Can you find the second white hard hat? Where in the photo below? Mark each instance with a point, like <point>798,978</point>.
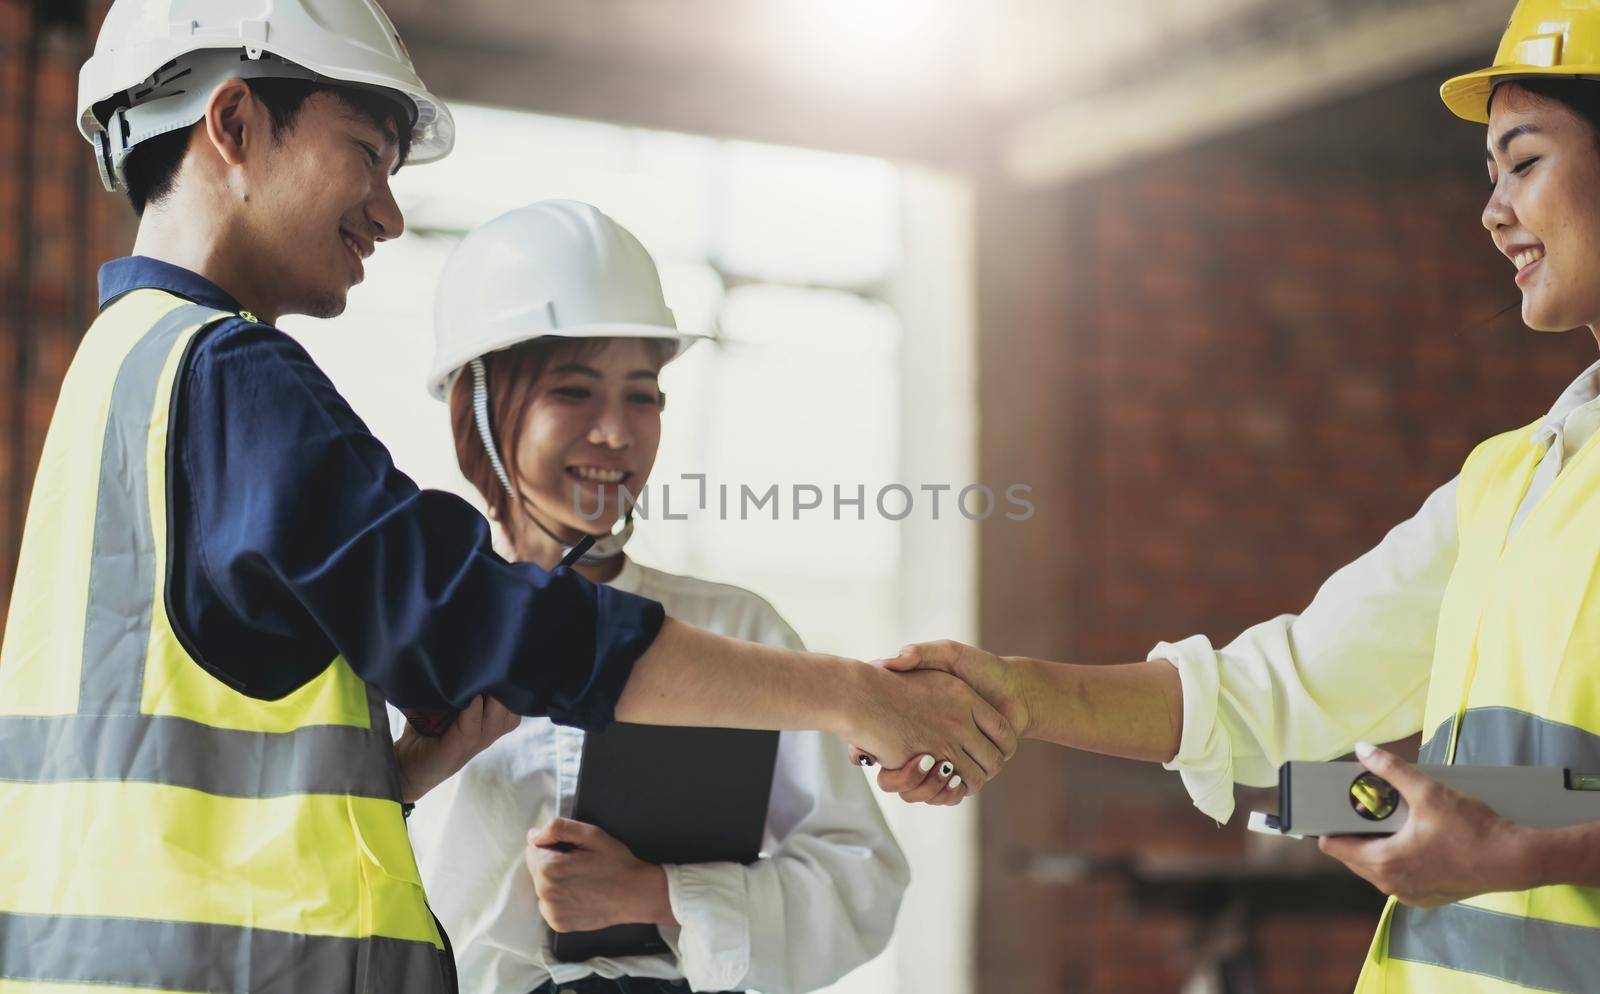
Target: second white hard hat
<point>157,61</point>
<point>556,267</point>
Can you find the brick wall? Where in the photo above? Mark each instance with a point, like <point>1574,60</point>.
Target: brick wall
<point>1226,373</point>
<point>59,225</point>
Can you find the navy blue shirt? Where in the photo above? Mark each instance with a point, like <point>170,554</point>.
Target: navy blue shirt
<point>292,538</point>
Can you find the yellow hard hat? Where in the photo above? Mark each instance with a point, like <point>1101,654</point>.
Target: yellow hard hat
<point>1544,38</point>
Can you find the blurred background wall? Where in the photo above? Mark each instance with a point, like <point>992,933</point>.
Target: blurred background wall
<point>1206,274</point>
<point>57,226</point>
<point>1237,365</point>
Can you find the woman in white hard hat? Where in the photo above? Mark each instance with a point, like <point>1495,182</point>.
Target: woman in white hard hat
<point>1476,622</point>
<point>552,330</point>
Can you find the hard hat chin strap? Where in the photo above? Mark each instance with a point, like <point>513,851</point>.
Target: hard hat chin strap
<point>589,550</point>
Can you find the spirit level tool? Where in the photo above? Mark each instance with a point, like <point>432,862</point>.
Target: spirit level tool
<point>1346,798</point>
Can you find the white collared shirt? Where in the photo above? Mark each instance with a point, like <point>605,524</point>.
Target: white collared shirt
<point>823,902</point>
<point>1354,665</point>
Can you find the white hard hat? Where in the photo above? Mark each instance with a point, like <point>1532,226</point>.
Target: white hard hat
<point>557,267</point>
<point>157,62</point>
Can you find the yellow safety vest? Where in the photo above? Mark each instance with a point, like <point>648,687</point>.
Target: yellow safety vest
<point>159,830</point>
<point>1515,682</point>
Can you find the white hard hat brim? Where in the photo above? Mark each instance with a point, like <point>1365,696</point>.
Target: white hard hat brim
<point>432,134</point>
<point>442,381</point>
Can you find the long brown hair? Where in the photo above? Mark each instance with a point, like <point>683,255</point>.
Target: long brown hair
<point>512,375</point>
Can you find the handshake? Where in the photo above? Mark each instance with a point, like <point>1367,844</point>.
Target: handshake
<point>941,721</point>
<point>939,718</point>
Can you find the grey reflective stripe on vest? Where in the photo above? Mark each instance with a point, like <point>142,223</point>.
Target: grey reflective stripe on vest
<point>316,759</point>
<point>380,746</point>
<point>1508,737</point>
<point>109,739</point>
<point>1527,951</point>
<point>1437,747</point>
<point>1547,956</point>
<point>116,631</point>
<point>216,959</point>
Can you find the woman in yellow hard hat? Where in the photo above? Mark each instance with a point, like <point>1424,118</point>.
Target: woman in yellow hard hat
<point>1476,622</point>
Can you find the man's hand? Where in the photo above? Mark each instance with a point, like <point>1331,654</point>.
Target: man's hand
<point>588,880</point>
<point>930,779</point>
<point>908,717</point>
<point>427,761</point>
<point>995,678</point>
<point>1451,847</point>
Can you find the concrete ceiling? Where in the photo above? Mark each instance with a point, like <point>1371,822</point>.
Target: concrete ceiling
<point>1261,62</point>
<point>1039,91</point>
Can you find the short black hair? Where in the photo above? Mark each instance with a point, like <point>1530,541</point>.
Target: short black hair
<point>152,166</point>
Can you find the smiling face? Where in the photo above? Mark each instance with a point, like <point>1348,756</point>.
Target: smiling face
<point>319,204</point>
<point>592,427</point>
<point>1543,211</point>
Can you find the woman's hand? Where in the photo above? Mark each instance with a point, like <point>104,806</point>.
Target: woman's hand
<point>1451,847</point>
<point>427,761</point>
<point>588,880</point>
<point>932,779</point>
<point>924,780</point>
<point>907,717</point>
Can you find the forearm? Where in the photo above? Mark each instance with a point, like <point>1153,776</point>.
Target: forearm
<point>1133,710</point>
<point>652,899</point>
<point>692,677</point>
<point>1568,855</point>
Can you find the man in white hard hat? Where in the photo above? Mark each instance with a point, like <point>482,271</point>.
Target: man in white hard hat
<point>223,576</point>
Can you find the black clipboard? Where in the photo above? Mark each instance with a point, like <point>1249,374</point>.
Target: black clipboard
<point>672,795</point>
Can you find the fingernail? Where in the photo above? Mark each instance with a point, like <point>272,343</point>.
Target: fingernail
<point>865,760</point>
<point>955,782</point>
<point>925,764</point>
<point>1364,750</point>
<point>945,769</point>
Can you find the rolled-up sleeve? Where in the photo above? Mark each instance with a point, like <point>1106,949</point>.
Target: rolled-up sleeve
<point>822,904</point>
<point>296,538</point>
<point>1353,666</point>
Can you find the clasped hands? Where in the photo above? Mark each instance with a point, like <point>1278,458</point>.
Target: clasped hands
<point>949,714</point>
<point>953,715</point>
<point>942,718</point>
<point>1452,846</point>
